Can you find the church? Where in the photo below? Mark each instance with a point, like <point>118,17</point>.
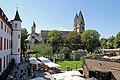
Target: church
<point>36,38</point>
<point>10,39</point>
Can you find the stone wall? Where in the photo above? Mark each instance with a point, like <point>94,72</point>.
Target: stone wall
<point>98,64</point>
<point>76,54</point>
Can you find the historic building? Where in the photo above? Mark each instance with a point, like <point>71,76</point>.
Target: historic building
<point>10,38</point>
<point>79,24</point>
<point>35,38</point>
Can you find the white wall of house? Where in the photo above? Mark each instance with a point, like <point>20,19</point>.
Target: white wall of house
<point>5,52</point>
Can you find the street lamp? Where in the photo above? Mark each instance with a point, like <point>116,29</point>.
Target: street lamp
<point>76,65</point>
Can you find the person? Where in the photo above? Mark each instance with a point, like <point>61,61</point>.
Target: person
<point>32,75</point>
<point>21,71</point>
<point>28,70</point>
<point>11,77</point>
<point>17,67</point>
<point>25,69</point>
<point>23,75</point>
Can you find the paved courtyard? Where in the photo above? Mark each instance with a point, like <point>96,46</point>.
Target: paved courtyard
<point>22,73</point>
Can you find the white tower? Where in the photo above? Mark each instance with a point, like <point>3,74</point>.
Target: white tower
<point>16,37</point>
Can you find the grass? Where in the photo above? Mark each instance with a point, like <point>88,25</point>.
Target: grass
<point>72,64</point>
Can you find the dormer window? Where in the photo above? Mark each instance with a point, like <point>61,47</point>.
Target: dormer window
<point>15,25</point>
<point>5,17</point>
<point>2,13</point>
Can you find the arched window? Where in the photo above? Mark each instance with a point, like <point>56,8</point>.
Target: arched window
<point>15,25</point>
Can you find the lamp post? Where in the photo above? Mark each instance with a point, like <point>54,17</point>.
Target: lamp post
<point>76,65</point>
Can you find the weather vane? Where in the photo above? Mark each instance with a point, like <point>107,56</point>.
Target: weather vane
<point>17,7</point>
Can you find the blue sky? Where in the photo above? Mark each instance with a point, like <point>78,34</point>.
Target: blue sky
<point>100,15</point>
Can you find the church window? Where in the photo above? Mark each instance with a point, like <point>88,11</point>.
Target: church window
<point>33,37</point>
<point>81,22</point>
<point>15,25</point>
<point>83,27</point>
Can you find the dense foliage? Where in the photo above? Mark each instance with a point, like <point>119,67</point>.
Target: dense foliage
<point>24,34</point>
<point>90,39</point>
<point>73,41</point>
<point>42,49</point>
<point>110,43</point>
<point>55,39</point>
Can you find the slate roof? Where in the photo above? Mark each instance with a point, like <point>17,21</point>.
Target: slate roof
<point>17,17</point>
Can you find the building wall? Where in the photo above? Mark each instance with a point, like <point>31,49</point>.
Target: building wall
<point>16,40</point>
<point>5,53</point>
<point>98,64</point>
<point>44,34</point>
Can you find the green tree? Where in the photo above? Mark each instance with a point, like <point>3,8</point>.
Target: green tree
<point>110,42</point>
<point>73,40</point>
<point>103,42</point>
<point>64,50</point>
<point>43,49</point>
<point>24,34</point>
<point>90,39</point>
<point>55,38</point>
<point>117,41</point>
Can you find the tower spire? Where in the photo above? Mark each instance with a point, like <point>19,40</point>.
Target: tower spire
<point>81,17</point>
<point>79,23</point>
<point>17,8</point>
<point>17,17</point>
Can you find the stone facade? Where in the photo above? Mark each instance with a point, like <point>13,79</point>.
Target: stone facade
<point>76,54</point>
<point>79,24</point>
<point>44,34</point>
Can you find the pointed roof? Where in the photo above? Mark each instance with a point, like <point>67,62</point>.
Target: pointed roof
<point>76,17</point>
<point>81,16</point>
<point>17,17</point>
<point>34,23</point>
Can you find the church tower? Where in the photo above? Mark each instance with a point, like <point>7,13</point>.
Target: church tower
<point>16,37</point>
<point>33,32</point>
<point>79,24</point>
